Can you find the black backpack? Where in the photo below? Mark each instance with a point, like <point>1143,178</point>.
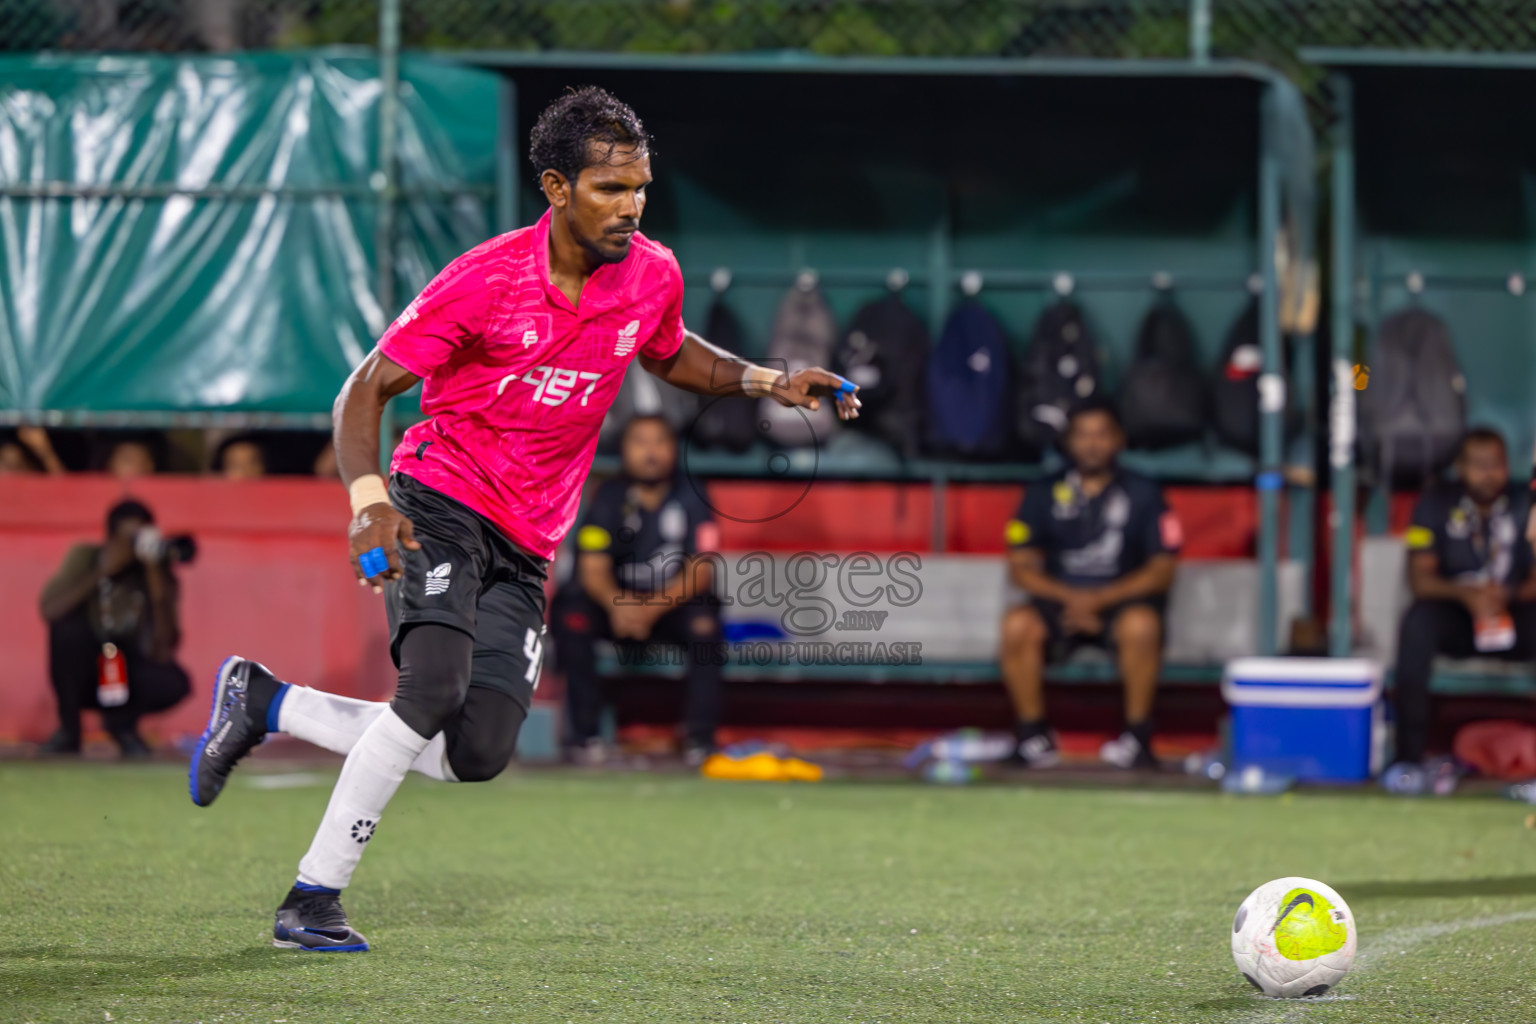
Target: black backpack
<point>1414,410</point>
<point>1235,388</point>
<point>1060,368</point>
<point>968,387</point>
<point>884,352</point>
<point>1163,401</point>
<point>723,421</point>
<point>804,334</point>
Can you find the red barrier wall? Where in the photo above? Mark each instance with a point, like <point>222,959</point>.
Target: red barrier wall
<point>271,579</point>
<point>1219,522</point>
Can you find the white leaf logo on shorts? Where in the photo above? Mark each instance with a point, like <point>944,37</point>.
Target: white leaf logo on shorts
<point>437,579</point>
<point>627,338</point>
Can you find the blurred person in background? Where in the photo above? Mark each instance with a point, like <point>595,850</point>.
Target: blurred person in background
<point>113,629</point>
<point>129,459</point>
<point>29,451</point>
<point>240,458</point>
<point>1470,570</point>
<point>1095,548</point>
<point>640,578</point>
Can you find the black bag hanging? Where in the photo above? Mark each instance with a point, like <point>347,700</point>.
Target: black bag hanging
<point>884,352</point>
<point>804,333</point>
<point>724,421</point>
<point>968,387</point>
<point>1235,388</point>
<point>1060,368</point>
<point>1414,410</point>
<point>1163,400</point>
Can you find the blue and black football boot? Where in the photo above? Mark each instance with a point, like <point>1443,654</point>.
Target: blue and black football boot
<point>311,920</point>
<point>242,693</point>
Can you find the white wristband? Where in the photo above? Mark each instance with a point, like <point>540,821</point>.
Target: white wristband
<point>367,490</point>
<point>759,381</point>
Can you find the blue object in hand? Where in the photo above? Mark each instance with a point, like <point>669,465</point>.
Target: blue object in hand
<point>847,387</point>
<point>373,562</point>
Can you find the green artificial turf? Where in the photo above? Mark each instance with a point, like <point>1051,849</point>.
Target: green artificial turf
<point>560,897</point>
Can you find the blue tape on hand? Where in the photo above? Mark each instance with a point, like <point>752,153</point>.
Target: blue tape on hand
<point>373,562</point>
<point>846,387</point>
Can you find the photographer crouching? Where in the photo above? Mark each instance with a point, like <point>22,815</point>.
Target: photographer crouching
<point>113,629</point>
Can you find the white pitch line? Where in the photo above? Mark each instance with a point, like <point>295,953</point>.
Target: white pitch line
<point>284,780</point>
<point>1400,940</point>
<point>1392,942</point>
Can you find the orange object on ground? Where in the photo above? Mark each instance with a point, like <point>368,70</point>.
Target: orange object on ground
<point>760,767</point>
<point>1500,749</point>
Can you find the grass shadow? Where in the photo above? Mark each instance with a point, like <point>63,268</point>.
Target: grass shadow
<point>1449,889</point>
<point>1227,1003</point>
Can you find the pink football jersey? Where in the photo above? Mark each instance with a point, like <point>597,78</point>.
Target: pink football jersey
<point>517,381</point>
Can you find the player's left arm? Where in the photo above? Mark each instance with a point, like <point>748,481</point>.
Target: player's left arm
<point>1526,591</point>
<point>165,612</point>
<point>1523,575</point>
<point>1161,537</point>
<point>1152,580</point>
<point>1530,519</point>
<point>707,369</point>
<point>695,576</point>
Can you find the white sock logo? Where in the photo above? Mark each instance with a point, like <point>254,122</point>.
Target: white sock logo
<point>437,579</point>
<point>627,338</point>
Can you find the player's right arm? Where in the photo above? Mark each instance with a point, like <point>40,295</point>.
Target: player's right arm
<point>1027,566</point>
<point>1530,520</point>
<point>356,417</point>
<point>1025,535</point>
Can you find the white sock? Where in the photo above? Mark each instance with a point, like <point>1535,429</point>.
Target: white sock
<point>374,769</point>
<point>336,723</point>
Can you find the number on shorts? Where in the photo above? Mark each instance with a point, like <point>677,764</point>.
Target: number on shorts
<point>533,649</point>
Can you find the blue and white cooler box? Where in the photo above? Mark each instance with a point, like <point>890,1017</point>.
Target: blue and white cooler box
<point>1312,718</point>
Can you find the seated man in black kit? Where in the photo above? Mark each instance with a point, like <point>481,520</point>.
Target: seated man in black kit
<point>1470,571</point>
<point>640,578</point>
<point>1094,547</point>
<point>113,628</point>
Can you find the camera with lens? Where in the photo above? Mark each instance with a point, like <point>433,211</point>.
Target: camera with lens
<point>153,546</point>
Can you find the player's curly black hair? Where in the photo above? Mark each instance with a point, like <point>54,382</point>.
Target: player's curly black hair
<point>582,129</point>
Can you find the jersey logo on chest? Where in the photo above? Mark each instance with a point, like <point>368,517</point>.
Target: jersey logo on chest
<point>629,334</point>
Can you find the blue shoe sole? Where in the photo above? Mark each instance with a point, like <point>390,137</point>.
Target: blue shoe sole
<point>358,948</point>
<point>219,679</point>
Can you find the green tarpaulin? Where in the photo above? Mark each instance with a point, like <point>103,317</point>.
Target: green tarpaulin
<point>259,301</point>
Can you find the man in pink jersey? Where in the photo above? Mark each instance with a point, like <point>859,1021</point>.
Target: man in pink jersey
<point>521,343</point>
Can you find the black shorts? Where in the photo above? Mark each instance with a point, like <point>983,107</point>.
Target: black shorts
<point>1062,643</point>
<point>468,575</point>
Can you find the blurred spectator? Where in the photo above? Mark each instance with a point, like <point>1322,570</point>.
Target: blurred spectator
<point>639,578</point>
<point>29,451</point>
<point>1094,547</point>
<point>112,613</point>
<point>130,459</point>
<point>1470,569</point>
<point>325,463</point>
<point>15,460</point>
<point>240,458</point>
